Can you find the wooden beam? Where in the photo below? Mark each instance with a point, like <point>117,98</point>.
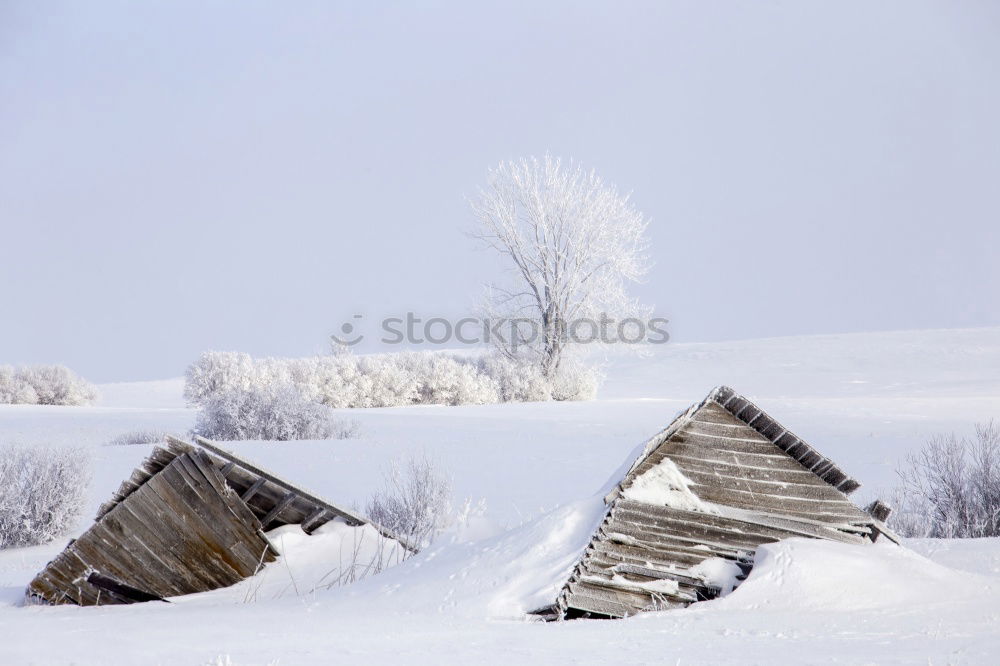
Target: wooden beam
<point>315,520</point>
<point>121,589</point>
<point>287,499</point>
<point>252,490</point>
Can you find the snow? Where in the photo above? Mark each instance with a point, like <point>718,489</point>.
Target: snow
<point>718,572</point>
<point>666,485</point>
<point>864,400</point>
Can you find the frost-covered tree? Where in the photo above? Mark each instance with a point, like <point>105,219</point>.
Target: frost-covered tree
<point>573,242</point>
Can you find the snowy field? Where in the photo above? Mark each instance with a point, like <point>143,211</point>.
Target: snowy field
<point>532,471</point>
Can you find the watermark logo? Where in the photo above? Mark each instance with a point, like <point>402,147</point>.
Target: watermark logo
<point>511,332</point>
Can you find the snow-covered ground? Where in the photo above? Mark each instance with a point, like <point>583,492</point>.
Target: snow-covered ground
<point>862,399</point>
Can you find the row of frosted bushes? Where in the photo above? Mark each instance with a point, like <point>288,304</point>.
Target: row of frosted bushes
<point>388,380</point>
<point>44,385</point>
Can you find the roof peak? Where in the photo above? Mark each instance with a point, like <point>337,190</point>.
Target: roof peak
<point>749,413</point>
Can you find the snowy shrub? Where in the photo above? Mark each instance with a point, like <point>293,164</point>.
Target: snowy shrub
<point>13,391</point>
<point>42,493</point>
<point>575,381</point>
<point>268,414</point>
<point>218,372</point>
<point>389,380</point>
<point>137,437</point>
<point>382,381</point>
<point>44,385</point>
<point>951,487</point>
<point>441,379</point>
<point>415,503</point>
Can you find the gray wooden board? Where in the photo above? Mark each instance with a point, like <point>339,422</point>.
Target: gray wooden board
<point>174,534</point>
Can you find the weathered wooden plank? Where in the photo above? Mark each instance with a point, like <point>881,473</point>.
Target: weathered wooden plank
<point>727,444</point>
<point>642,573</point>
<point>620,547</point>
<point>90,552</point>
<point>144,567</point>
<point>724,431</point>
<point>174,576</point>
<point>57,576</point>
<point>735,521</point>
<point>797,474</point>
<point>222,550</point>
<point>681,554</point>
<point>746,482</point>
<point>233,531</point>
<point>668,520</point>
<point>127,593</point>
<point>71,570</point>
<point>154,529</point>
<point>208,482</point>
<point>879,510</point>
<point>200,549</point>
<point>807,508</point>
<point>252,490</point>
<point>848,486</point>
<point>710,455</point>
<point>316,519</point>
<point>637,601</point>
<point>587,604</point>
<point>661,548</point>
<point>618,583</point>
<point>667,535</point>
<point>712,412</point>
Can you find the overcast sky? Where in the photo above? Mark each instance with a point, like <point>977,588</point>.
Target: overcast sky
<point>177,177</point>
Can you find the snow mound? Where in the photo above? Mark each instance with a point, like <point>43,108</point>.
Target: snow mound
<point>503,576</point>
<point>335,555</point>
<point>813,575</point>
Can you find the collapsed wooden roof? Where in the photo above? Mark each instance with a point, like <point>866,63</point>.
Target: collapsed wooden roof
<point>719,481</point>
<point>190,519</point>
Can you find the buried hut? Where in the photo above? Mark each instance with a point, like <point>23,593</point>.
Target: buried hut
<point>683,523</point>
<point>190,519</point>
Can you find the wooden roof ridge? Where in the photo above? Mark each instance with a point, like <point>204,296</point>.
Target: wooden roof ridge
<point>749,413</point>
<point>756,418</point>
<point>320,505</point>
